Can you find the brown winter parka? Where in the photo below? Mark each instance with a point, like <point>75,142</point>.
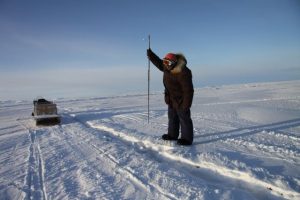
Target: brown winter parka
<point>179,90</point>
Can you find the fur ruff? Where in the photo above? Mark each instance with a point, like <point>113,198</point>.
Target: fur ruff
<point>181,63</point>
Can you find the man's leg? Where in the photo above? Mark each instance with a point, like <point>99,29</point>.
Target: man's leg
<point>186,125</point>
<point>173,127</point>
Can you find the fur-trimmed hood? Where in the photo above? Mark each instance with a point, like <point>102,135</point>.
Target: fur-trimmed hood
<point>181,63</point>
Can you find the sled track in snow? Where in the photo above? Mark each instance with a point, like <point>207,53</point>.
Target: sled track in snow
<point>35,174</point>
<point>77,147</point>
<point>34,181</point>
<point>223,171</point>
<point>125,171</point>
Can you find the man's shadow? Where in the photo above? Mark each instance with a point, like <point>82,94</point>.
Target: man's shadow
<point>247,131</point>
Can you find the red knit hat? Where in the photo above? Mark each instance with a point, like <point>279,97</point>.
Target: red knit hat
<point>171,57</point>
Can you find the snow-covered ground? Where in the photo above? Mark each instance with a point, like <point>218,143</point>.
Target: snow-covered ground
<point>246,146</point>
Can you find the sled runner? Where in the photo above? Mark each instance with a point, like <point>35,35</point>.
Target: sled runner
<point>45,112</point>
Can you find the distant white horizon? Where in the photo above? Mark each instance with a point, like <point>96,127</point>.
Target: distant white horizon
<point>104,82</point>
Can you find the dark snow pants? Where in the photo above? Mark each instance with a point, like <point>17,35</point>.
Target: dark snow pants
<point>182,119</point>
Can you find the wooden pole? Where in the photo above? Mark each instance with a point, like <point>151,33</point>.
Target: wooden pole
<point>148,81</point>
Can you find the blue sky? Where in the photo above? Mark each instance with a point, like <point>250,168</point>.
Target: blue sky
<point>97,48</point>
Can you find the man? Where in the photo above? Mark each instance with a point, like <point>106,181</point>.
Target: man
<point>179,92</point>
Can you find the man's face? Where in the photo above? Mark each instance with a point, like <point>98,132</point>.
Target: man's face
<point>169,64</point>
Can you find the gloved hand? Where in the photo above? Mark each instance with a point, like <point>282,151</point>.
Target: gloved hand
<point>149,52</point>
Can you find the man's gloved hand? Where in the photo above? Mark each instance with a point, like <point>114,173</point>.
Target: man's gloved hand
<point>149,52</point>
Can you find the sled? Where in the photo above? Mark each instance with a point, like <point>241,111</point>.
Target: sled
<point>45,112</point>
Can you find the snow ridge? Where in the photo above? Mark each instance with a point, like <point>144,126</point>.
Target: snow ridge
<point>234,174</point>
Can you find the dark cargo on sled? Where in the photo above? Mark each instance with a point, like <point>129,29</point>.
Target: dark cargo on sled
<point>45,112</point>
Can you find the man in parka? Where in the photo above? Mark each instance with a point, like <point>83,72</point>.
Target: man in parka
<point>179,92</point>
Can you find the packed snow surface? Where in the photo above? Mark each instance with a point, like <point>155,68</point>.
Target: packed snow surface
<point>246,146</point>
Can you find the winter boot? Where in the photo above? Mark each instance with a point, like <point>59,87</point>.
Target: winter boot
<point>183,142</point>
<point>168,137</point>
